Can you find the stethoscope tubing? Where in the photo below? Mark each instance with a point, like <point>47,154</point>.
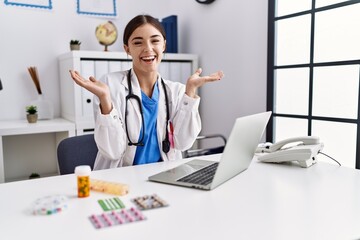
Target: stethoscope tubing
<point>166,142</point>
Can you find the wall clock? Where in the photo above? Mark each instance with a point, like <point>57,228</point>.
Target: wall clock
<point>205,1</point>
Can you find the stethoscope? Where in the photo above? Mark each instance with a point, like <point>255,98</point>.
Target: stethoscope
<point>166,142</point>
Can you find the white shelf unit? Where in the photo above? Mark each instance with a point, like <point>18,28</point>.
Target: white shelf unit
<point>27,148</point>
<point>76,102</point>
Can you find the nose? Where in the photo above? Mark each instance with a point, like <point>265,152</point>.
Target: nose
<point>147,46</point>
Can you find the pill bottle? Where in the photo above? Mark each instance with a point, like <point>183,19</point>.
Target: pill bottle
<point>83,180</point>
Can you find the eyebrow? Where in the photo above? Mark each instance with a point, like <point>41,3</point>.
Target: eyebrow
<point>140,38</point>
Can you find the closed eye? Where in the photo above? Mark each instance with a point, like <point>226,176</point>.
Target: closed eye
<point>137,40</point>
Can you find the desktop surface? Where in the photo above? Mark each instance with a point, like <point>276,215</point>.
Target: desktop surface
<point>267,201</point>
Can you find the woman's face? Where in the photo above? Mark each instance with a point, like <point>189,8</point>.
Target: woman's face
<point>146,46</point>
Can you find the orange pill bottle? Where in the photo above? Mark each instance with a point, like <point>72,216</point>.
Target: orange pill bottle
<point>83,180</point>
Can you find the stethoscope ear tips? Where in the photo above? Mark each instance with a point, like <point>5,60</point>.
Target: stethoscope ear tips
<point>166,146</point>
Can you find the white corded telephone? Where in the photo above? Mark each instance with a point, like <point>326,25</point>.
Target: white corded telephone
<point>304,152</point>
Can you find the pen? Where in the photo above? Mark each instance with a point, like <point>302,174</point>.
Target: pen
<point>171,135</point>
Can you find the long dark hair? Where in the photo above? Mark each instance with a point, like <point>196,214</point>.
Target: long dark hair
<point>139,21</point>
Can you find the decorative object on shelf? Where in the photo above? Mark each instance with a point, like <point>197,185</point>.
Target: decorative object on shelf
<point>205,1</point>
<point>44,107</point>
<point>35,77</point>
<point>75,45</point>
<point>32,115</point>
<point>106,34</point>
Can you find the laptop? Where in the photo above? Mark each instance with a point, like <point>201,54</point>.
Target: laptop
<point>238,153</point>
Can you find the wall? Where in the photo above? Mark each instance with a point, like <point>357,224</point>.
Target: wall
<point>229,34</point>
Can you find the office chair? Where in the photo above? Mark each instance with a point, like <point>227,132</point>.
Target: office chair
<point>75,151</point>
<point>206,151</point>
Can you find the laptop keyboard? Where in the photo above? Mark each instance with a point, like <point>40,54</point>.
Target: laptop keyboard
<point>203,176</point>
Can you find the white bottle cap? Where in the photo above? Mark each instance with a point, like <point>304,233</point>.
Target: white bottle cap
<point>82,170</point>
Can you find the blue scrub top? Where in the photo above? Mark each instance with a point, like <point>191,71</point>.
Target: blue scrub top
<point>149,153</point>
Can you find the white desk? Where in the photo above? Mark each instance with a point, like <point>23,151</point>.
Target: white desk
<point>61,127</point>
<point>265,202</point>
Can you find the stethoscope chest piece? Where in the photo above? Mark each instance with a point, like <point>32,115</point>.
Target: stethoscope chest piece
<point>166,146</point>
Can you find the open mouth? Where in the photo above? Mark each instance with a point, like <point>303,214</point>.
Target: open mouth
<point>148,59</point>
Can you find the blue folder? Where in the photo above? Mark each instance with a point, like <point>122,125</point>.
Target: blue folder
<point>170,25</point>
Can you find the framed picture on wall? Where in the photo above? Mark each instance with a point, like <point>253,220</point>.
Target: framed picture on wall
<point>101,8</point>
<point>47,4</point>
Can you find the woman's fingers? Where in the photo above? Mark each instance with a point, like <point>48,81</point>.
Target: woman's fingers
<point>92,79</point>
<point>79,79</point>
<point>218,75</point>
<point>196,81</point>
<point>213,77</point>
<point>75,75</point>
<point>198,71</point>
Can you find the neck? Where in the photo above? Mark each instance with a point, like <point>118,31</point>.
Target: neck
<point>147,81</point>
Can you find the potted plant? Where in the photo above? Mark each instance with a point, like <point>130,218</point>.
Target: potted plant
<point>34,175</point>
<point>32,115</point>
<point>75,45</point>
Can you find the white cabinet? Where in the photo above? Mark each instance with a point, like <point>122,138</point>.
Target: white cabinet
<point>76,102</point>
<point>27,148</point>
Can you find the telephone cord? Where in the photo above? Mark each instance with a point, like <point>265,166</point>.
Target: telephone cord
<point>330,157</point>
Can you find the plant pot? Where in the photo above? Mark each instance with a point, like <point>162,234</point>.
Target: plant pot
<point>34,175</point>
<point>74,47</point>
<point>32,118</point>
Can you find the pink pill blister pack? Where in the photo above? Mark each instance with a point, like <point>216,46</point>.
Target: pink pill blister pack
<point>115,218</point>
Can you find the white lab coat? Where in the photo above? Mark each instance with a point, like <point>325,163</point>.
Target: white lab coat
<point>110,134</point>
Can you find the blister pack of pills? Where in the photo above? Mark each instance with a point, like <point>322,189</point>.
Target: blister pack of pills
<point>111,204</point>
<point>116,218</point>
<point>149,202</point>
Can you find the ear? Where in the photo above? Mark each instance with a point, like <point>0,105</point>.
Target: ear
<point>164,47</point>
<point>127,50</point>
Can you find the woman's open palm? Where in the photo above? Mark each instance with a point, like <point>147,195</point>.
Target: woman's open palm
<point>195,81</point>
<point>98,88</point>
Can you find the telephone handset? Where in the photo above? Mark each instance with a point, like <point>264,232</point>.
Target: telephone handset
<point>304,151</point>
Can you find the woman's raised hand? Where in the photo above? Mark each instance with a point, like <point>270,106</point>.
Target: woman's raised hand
<point>96,87</point>
<point>100,89</point>
<point>195,81</point>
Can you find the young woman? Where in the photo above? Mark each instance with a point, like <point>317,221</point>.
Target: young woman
<point>139,116</point>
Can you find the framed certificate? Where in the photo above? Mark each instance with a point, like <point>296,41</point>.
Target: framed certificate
<point>47,4</point>
<point>97,7</point>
